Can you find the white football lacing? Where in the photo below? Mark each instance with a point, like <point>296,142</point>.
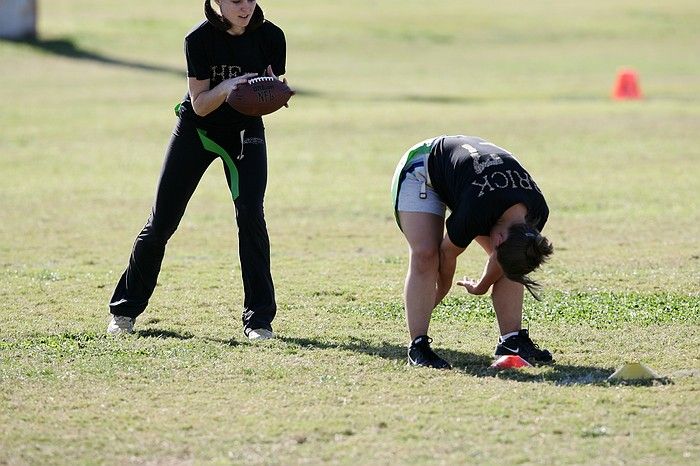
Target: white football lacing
<point>260,79</point>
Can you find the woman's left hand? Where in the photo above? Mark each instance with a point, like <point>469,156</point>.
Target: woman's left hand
<point>272,74</point>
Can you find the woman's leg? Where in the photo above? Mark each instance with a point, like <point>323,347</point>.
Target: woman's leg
<point>259,306</point>
<point>424,233</point>
<point>507,298</point>
<point>185,163</point>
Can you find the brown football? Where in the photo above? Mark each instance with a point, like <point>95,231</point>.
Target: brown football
<point>260,96</point>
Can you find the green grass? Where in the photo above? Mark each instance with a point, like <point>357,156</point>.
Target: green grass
<point>86,116</point>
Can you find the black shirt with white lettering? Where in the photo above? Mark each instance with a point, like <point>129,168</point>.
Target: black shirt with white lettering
<point>216,55</point>
<point>479,181</point>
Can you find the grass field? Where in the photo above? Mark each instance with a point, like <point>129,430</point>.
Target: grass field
<point>87,113</point>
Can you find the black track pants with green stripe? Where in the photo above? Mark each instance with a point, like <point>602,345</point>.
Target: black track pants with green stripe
<point>189,154</point>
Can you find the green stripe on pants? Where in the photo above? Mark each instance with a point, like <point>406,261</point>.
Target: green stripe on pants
<point>211,146</point>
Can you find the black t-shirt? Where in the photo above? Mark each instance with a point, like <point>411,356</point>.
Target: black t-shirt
<point>479,181</point>
<point>216,55</point>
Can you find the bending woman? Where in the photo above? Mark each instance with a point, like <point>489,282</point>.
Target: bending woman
<point>493,201</point>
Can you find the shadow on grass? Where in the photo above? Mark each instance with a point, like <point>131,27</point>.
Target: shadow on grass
<point>558,374</point>
<point>163,334</point>
<point>384,350</point>
<point>230,342</point>
<point>477,365</point>
<point>411,98</point>
<point>68,48</point>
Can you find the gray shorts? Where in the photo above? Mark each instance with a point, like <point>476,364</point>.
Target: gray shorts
<point>416,194</point>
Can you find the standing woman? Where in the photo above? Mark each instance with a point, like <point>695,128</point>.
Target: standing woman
<point>492,200</point>
<point>231,46</point>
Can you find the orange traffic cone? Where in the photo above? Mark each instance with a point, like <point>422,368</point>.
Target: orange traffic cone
<point>510,362</point>
<point>626,86</point>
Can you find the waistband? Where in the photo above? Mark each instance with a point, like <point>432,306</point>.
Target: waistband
<point>420,161</point>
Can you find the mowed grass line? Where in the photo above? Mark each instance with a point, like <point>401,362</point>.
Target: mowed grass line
<point>87,115</point>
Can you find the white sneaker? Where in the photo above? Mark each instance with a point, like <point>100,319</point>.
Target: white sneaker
<point>121,324</point>
<point>260,334</point>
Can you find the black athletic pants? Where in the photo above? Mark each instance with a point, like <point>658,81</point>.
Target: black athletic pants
<point>190,152</point>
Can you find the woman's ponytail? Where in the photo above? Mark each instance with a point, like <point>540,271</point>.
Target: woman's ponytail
<point>523,251</point>
<point>214,18</point>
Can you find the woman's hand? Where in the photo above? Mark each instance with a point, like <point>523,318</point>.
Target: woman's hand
<point>205,100</point>
<point>232,83</point>
<point>272,74</point>
<point>472,286</point>
<point>492,273</point>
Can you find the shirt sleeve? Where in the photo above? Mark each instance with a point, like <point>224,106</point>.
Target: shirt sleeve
<point>278,52</point>
<point>456,230</point>
<point>198,65</point>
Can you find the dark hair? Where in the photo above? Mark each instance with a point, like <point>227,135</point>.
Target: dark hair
<point>523,251</point>
<point>222,24</point>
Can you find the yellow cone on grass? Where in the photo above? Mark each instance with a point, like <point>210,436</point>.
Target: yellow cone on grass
<point>634,371</point>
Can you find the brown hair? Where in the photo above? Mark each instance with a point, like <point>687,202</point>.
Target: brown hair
<point>222,24</point>
<point>523,251</point>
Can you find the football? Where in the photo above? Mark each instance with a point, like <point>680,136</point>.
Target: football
<point>260,96</point>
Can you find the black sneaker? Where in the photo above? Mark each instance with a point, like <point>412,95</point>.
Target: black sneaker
<point>521,345</point>
<point>420,354</point>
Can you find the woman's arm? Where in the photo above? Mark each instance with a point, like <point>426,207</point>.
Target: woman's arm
<point>492,270</point>
<point>448,263</point>
<point>205,100</point>
<point>492,273</point>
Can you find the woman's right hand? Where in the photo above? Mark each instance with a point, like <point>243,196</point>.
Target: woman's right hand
<point>232,83</point>
<point>206,100</point>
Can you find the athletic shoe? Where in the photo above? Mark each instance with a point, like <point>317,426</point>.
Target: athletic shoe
<point>521,345</point>
<point>420,354</point>
<point>121,324</point>
<point>260,334</point>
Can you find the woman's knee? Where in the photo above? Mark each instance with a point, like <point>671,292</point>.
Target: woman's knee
<point>158,231</point>
<point>249,209</point>
<point>425,258</point>
<point>250,214</point>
